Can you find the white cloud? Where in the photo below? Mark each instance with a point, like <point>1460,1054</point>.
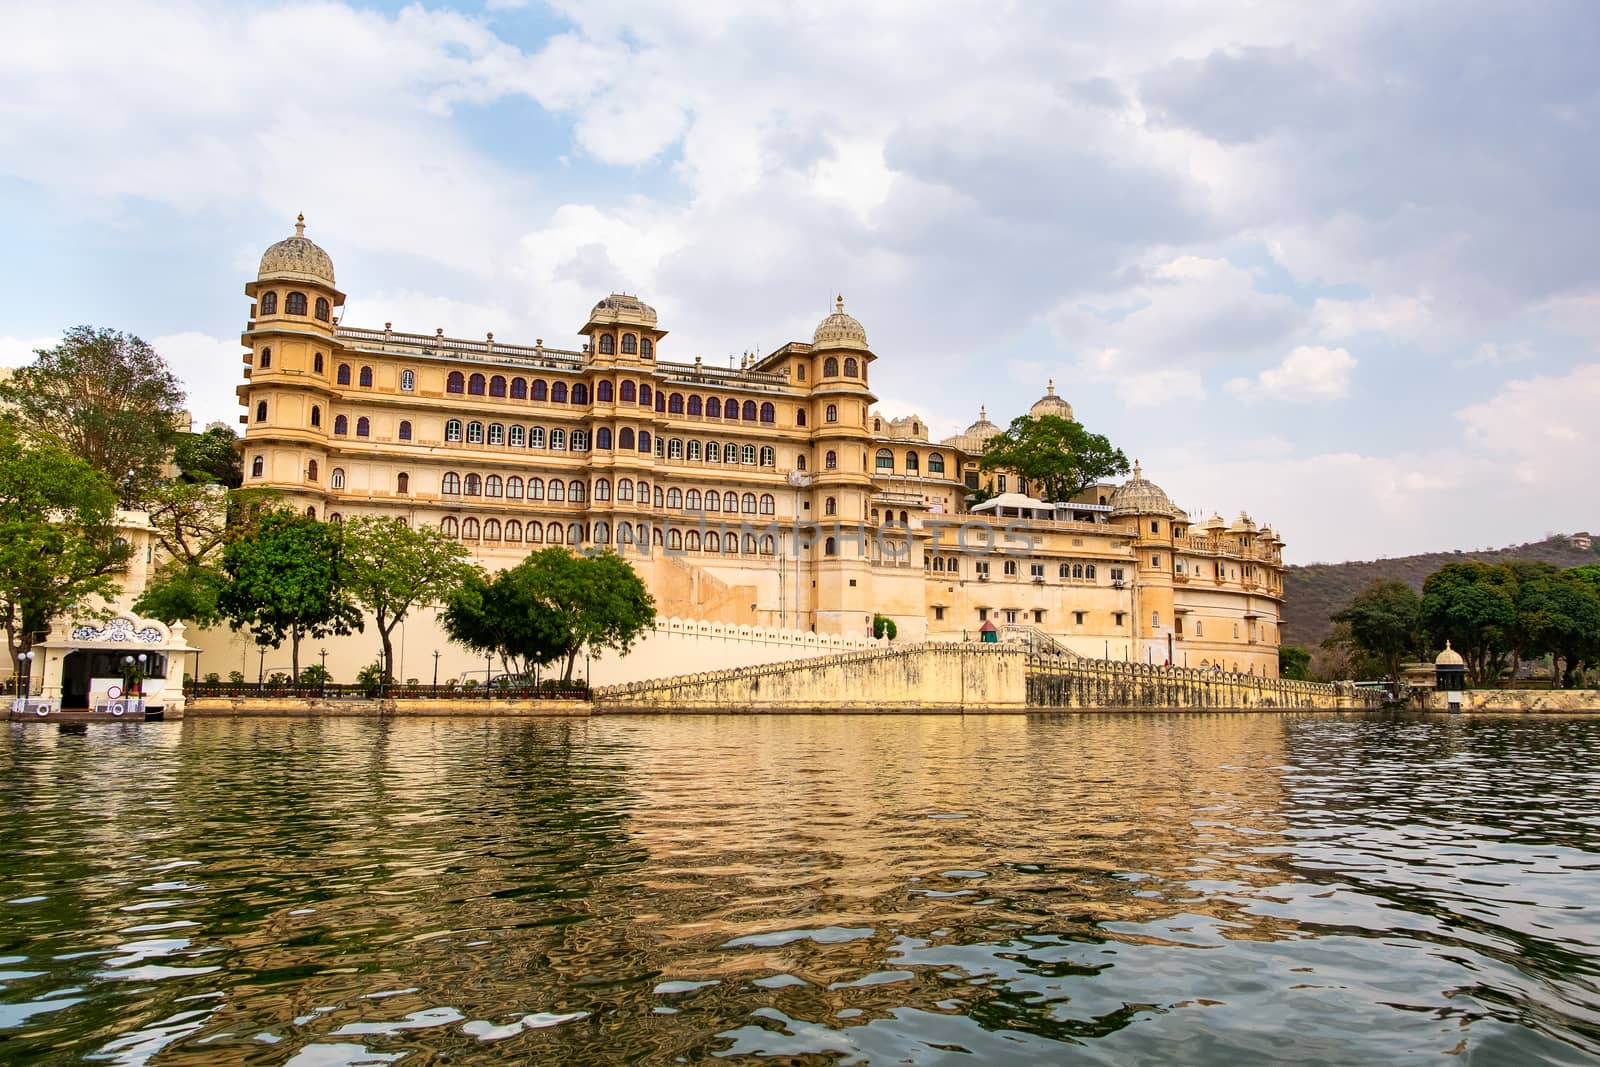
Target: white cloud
<point>209,369</point>
<point>16,351</point>
<point>1492,354</point>
<point>1309,373</point>
<point>1542,428</point>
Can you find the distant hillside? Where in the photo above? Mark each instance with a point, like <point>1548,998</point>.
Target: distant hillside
<point>1313,595</point>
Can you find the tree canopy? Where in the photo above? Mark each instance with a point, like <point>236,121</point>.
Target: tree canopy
<point>105,397</point>
<point>1055,454</point>
<point>209,457</point>
<point>551,607</point>
<point>1473,606</point>
<point>286,578</point>
<point>391,569</point>
<point>58,544</point>
<point>1383,620</point>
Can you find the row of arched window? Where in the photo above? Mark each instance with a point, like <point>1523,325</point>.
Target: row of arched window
<point>631,345</point>
<point>575,491</point>
<point>721,452</point>
<point>295,304</point>
<point>913,463</point>
<point>830,368</point>
<point>601,533</point>
<point>712,407</point>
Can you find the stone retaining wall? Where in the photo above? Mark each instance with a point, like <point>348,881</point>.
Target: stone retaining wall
<point>1522,701</point>
<point>225,707</point>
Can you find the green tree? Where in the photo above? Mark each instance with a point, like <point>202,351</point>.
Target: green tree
<point>211,457</point>
<point>106,397</point>
<point>883,627</point>
<point>191,522</point>
<point>1473,605</point>
<point>1558,614</point>
<point>1294,663</point>
<point>59,549</point>
<point>391,569</point>
<point>1058,455</point>
<point>1383,620</point>
<point>551,607</point>
<point>286,579</point>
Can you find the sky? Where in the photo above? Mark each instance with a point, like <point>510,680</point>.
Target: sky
<point>1333,264</point>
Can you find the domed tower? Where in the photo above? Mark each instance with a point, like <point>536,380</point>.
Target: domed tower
<point>1143,507</point>
<point>841,488</point>
<point>287,395</point>
<point>1050,404</point>
<point>622,332</point>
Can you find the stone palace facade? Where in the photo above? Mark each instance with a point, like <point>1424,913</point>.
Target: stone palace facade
<point>770,496</point>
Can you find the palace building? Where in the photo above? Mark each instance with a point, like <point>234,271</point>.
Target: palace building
<point>771,495</point>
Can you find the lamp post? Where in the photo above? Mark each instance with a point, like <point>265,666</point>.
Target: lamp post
<point>27,672</point>
<point>261,670</point>
<point>488,672</point>
<point>322,682</point>
<point>436,668</point>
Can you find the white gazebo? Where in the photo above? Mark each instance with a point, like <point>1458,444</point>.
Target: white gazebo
<point>125,665</point>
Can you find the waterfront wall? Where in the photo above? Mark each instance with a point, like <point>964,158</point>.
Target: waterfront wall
<point>1087,684</point>
<point>233,707</point>
<point>678,646</point>
<point>1520,701</point>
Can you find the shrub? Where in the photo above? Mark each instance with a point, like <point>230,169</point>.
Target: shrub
<point>370,679</point>
<point>212,677</point>
<point>236,677</point>
<point>883,627</point>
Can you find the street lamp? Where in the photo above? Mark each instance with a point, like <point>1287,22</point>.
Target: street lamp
<point>488,671</point>
<point>322,682</point>
<point>436,668</point>
<point>261,670</point>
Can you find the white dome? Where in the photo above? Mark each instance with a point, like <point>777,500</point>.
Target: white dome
<point>1140,496</point>
<point>839,330</point>
<point>297,259</point>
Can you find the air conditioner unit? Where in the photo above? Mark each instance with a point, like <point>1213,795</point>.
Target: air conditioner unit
<point>1038,579</point>
<point>983,577</point>
<point>1117,584</point>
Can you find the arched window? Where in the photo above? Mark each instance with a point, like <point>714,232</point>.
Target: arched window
<point>674,497</point>
<point>341,424</point>
<point>535,488</point>
<point>628,393</point>
<point>885,460</point>
<point>579,441</point>
<point>497,433</point>
<point>750,411</point>
<point>850,367</point>
<point>602,439</point>
<point>316,363</point>
<point>472,485</point>
<point>513,488</point>
<point>713,408</point>
<point>405,430</point>
<point>342,375</point>
<point>730,409</point>
<point>730,501</point>
<point>829,548</point>
<point>693,451</point>
<point>831,460</point>
<point>769,413</point>
<point>475,385</point>
<point>644,395</point>
<point>696,407</point>
<point>714,541</point>
<point>769,456</point>
<point>492,485</point>
<point>316,415</point>
<point>625,439</point>
<point>295,304</point>
<point>469,529</point>
<point>558,490</point>
<point>624,489</point>
<point>311,470</point>
<point>558,440</point>
<point>536,437</point>
<point>402,483</point>
<point>261,411</point>
<point>749,544</point>
<point>602,489</point>
<point>1077,570</point>
<point>713,500</point>
<point>323,311</point>
<point>607,345</point>
<point>936,464</point>
<point>644,440</point>
<point>799,463</point>
<point>491,530</point>
<point>269,303</point>
<point>675,539</point>
<point>450,483</point>
<point>831,414</point>
<point>365,379</point>
<point>513,530</point>
<point>713,452</point>
<point>830,368</point>
<point>452,430</point>
<point>799,416</point>
<point>1088,572</point>
<point>747,503</point>
<point>266,358</point>
<point>580,393</point>
<point>768,546</point>
<point>555,534</point>
<point>363,427</point>
<point>675,448</point>
<point>497,385</point>
<point>830,506</point>
<point>691,499</point>
<point>539,391</point>
<point>769,504</point>
<point>602,533</point>
<point>691,540</point>
<point>257,466</point>
<point>747,453</point>
<point>474,433</point>
<point>576,491</point>
<point>647,348</point>
<point>913,464</point>
<point>456,383</point>
<point>519,391</point>
<point>408,381</point>
<point>517,436</point>
<point>602,392</point>
<point>558,393</point>
<point>335,477</point>
<point>449,527</point>
<point>630,345</point>
<point>535,534</point>
<point>675,404</point>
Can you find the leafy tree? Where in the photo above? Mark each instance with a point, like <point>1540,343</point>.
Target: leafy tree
<point>1558,614</point>
<point>550,607</point>
<point>883,626</point>
<point>106,397</point>
<point>1473,606</point>
<point>191,522</point>
<point>1057,454</point>
<point>392,569</point>
<point>182,593</point>
<point>211,457</point>
<point>1383,621</point>
<point>58,544</point>
<point>1294,663</point>
<point>286,578</point>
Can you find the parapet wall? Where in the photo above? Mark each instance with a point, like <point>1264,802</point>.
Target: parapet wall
<point>678,646</point>
<point>1109,684</point>
<point>1521,701</point>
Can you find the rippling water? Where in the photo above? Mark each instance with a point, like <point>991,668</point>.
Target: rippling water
<point>1086,889</point>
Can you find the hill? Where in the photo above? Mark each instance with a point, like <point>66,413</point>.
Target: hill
<point>1313,594</point>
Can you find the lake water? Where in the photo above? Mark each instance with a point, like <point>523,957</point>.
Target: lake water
<point>1084,889</point>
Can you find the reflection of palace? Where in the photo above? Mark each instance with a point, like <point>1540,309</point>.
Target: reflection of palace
<point>696,472</point>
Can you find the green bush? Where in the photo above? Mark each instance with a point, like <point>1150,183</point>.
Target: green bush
<point>236,677</point>
<point>883,626</point>
<point>314,676</point>
<point>370,679</point>
<point>212,677</point>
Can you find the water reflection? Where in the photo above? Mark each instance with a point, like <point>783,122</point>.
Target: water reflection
<point>1116,889</point>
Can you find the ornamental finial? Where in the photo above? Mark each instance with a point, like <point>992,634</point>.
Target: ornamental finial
<point>300,225</point>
